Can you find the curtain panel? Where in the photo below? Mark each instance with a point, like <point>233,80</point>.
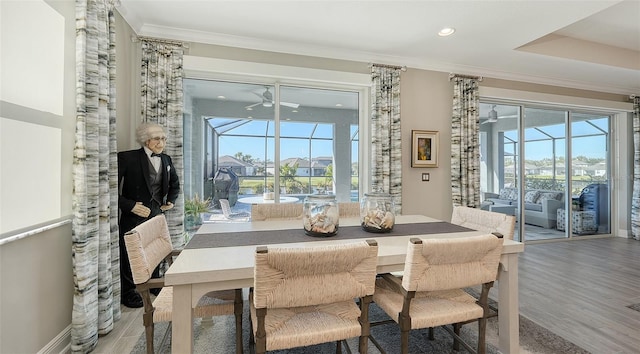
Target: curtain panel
<point>465,151</point>
<point>95,255</point>
<point>162,102</point>
<point>386,136</point>
<point>635,202</point>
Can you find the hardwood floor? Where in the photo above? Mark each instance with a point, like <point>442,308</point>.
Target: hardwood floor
<point>579,289</point>
<point>125,334</point>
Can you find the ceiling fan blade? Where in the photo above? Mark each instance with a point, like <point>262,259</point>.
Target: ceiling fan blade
<point>267,96</point>
<point>253,105</point>
<point>288,104</point>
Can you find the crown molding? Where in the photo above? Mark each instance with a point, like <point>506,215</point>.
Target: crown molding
<point>368,57</point>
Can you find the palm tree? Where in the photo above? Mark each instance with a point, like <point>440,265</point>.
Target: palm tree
<point>288,174</point>
<point>328,176</point>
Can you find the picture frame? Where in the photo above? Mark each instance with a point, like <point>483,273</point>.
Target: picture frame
<point>424,148</point>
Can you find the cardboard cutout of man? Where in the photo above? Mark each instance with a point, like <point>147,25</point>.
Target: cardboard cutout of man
<point>148,185</point>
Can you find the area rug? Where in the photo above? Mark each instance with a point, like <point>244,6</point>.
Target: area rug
<point>218,337</point>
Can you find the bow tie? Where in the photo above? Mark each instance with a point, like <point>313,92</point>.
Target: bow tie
<point>153,154</point>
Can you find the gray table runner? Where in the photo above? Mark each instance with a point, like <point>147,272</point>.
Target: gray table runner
<point>268,237</point>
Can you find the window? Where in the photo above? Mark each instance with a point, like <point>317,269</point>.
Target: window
<point>241,128</point>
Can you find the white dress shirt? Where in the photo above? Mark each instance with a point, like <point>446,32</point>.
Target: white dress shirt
<point>156,162</point>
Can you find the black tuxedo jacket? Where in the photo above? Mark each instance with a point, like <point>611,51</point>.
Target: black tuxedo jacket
<point>134,186</point>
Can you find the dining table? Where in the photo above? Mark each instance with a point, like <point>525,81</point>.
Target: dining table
<point>222,256</point>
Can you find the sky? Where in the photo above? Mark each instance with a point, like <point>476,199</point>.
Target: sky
<point>288,148</point>
<point>589,141</point>
<point>294,141</point>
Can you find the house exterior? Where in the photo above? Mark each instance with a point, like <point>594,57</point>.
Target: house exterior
<point>315,167</point>
<point>239,167</point>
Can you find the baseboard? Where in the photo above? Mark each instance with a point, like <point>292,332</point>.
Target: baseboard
<point>624,233</point>
<point>60,344</point>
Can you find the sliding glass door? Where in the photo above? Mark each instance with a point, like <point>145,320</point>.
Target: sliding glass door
<point>590,188</point>
<point>564,190</point>
<point>545,172</point>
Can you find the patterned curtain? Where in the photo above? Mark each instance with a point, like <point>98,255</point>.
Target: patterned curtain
<point>635,202</point>
<point>386,137</point>
<point>96,272</point>
<point>465,152</point>
<point>162,102</point>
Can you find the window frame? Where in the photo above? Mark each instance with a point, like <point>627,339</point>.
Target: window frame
<point>276,75</point>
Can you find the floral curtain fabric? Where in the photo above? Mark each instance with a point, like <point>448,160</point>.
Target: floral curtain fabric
<point>386,137</point>
<point>635,202</point>
<point>162,102</point>
<point>96,272</point>
<point>465,152</point>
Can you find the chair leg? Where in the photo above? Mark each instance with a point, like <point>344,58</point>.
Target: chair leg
<point>456,330</point>
<point>261,334</point>
<point>482,329</point>
<point>237,310</point>
<point>364,324</point>
<point>404,321</point>
<point>149,333</point>
<point>338,347</point>
<point>404,341</point>
<point>147,321</point>
<point>432,335</point>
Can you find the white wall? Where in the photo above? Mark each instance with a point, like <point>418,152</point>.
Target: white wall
<point>37,124</point>
<point>31,122</point>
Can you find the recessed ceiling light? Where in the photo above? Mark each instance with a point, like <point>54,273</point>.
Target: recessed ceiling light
<point>447,31</point>
<point>294,111</point>
<point>249,109</point>
<point>338,104</point>
<point>221,97</point>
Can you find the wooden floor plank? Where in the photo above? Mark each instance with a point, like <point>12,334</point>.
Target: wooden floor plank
<point>581,289</point>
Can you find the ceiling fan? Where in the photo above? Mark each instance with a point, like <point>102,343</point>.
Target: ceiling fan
<point>267,100</point>
<point>492,116</point>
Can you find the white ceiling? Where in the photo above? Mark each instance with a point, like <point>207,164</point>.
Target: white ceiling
<point>592,45</point>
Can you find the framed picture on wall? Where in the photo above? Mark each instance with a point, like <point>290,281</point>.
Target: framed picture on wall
<point>424,148</point>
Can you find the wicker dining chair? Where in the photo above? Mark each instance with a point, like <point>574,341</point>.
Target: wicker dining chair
<point>279,211</point>
<point>305,296</point>
<point>431,292</point>
<point>349,210</point>
<point>486,221</point>
<point>148,244</point>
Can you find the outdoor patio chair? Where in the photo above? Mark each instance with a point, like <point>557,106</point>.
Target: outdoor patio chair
<point>229,215</point>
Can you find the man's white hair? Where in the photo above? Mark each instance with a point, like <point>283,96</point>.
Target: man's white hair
<point>142,132</point>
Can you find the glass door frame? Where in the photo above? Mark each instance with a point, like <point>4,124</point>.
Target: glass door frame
<point>568,112</point>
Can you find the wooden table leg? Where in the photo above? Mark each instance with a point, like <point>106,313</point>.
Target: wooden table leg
<point>182,324</point>
<point>508,308</point>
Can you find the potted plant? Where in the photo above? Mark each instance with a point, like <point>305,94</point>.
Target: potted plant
<point>193,209</point>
